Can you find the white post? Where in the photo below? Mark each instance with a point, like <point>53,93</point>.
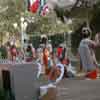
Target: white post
<point>22,32</point>
<point>69,43</point>
<point>22,29</point>
<point>65,39</point>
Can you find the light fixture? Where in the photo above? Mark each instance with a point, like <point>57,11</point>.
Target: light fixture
<point>25,25</point>
<point>15,25</point>
<point>22,19</point>
<point>69,21</point>
<point>70,32</point>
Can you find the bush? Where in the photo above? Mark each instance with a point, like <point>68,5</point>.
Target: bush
<point>3,52</point>
<point>35,41</point>
<point>55,40</point>
<point>2,95</point>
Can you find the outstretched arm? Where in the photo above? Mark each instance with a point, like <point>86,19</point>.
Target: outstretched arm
<point>93,44</point>
<point>97,39</point>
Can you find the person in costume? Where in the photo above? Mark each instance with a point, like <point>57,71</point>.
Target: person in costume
<point>87,55</point>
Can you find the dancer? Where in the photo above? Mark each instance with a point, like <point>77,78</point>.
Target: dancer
<point>87,55</point>
<point>13,52</point>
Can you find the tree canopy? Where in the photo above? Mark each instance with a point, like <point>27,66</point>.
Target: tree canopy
<point>48,24</point>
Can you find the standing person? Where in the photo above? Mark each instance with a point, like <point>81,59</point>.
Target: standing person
<point>59,52</point>
<point>87,55</point>
<point>32,48</point>
<point>25,45</point>
<point>49,46</point>
<point>13,51</point>
<point>8,50</point>
<point>45,60</point>
<point>39,54</point>
<point>64,53</point>
<point>33,51</point>
<point>29,54</point>
<point>24,50</point>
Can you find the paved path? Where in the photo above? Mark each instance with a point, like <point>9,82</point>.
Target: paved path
<point>79,90</point>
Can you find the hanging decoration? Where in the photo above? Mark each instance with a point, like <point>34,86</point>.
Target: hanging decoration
<point>33,5</point>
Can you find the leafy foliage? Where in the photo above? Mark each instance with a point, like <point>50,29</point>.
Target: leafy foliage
<point>11,15</point>
<point>3,52</point>
<point>95,23</point>
<point>46,25</point>
<point>55,40</point>
<point>2,95</point>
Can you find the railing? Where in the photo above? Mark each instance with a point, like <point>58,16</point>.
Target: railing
<point>7,61</point>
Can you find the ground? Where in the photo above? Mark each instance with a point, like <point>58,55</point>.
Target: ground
<point>74,89</point>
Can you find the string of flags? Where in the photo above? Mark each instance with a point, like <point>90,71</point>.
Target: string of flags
<point>38,6</point>
<point>44,10</point>
<point>33,5</point>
